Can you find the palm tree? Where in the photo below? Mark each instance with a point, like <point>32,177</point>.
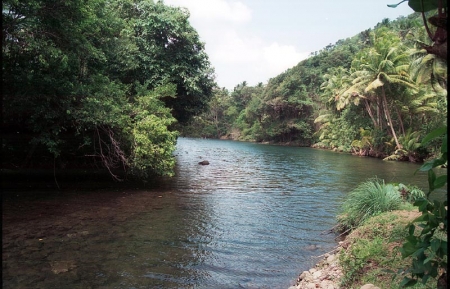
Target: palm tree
<point>428,68</point>
<point>337,80</point>
<point>386,63</point>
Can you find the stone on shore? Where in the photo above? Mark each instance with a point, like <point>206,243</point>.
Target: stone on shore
<point>324,275</point>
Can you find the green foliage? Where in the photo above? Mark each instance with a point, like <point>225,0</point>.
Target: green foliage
<point>358,82</point>
<point>365,143</point>
<point>340,130</point>
<point>358,256</point>
<point>368,199</point>
<point>428,247</point>
<point>169,51</point>
<point>371,254</point>
<point>411,149</point>
<point>421,5</point>
<point>104,80</point>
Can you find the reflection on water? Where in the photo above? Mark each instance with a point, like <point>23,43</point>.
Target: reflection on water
<point>247,220</point>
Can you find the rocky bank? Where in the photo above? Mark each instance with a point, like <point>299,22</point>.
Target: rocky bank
<point>325,275</point>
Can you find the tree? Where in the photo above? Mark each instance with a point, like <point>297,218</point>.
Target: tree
<point>385,63</point>
<point>100,81</point>
<point>439,36</point>
<point>428,249</point>
<point>169,51</point>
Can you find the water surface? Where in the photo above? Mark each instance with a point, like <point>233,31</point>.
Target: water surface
<point>256,217</point>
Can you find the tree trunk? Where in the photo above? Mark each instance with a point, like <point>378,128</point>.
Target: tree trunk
<point>388,116</point>
<point>369,110</point>
<point>380,122</point>
<point>402,128</point>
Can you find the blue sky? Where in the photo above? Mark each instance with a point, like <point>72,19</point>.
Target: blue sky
<point>255,40</point>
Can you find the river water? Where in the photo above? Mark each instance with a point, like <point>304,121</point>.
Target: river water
<point>255,217</point>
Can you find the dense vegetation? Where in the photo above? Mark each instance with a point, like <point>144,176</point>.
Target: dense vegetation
<point>99,82</point>
<point>110,83</point>
<point>377,93</point>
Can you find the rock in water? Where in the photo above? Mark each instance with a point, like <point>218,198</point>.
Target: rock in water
<point>203,163</point>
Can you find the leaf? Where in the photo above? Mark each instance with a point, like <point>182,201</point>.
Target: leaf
<point>435,244</point>
<point>444,247</point>
<point>424,5</point>
<point>440,181</point>
<point>421,203</point>
<point>426,166</point>
<point>444,145</point>
<point>408,249</point>
<point>434,134</point>
<point>431,179</point>
<point>374,85</point>
<point>408,282</point>
<point>395,5</point>
<point>411,229</point>
<point>428,259</point>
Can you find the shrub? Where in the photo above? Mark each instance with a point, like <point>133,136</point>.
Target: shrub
<point>370,198</point>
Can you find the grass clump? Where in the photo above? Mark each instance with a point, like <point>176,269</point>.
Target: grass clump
<point>377,215</point>
<point>368,199</point>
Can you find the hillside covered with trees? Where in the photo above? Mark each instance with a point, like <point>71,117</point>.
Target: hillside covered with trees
<point>377,94</point>
<point>112,84</point>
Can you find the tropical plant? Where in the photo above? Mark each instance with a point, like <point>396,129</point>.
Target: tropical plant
<point>369,198</point>
<point>428,247</point>
<point>386,63</point>
<point>363,145</point>
<point>411,150</point>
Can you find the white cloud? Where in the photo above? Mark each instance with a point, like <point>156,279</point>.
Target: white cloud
<point>236,53</point>
<point>281,57</point>
<point>239,59</point>
<point>230,48</point>
<point>215,10</point>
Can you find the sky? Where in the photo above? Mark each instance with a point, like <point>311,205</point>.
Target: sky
<point>255,40</point>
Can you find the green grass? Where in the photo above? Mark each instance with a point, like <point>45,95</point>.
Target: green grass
<point>372,254</point>
<point>368,199</point>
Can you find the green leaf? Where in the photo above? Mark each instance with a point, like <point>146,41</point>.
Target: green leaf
<point>444,145</point>
<point>411,229</point>
<point>431,179</point>
<point>444,247</point>
<point>408,249</point>
<point>440,181</point>
<point>408,282</point>
<point>426,166</point>
<point>422,204</point>
<point>424,5</point>
<point>435,244</point>
<point>434,134</point>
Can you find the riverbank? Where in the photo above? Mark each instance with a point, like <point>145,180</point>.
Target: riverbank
<point>413,157</point>
<point>366,256</point>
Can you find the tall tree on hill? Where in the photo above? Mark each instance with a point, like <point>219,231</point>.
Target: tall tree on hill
<point>386,63</point>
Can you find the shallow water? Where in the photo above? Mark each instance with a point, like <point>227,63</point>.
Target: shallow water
<point>254,218</point>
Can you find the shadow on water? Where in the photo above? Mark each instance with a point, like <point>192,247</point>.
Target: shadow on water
<point>254,218</point>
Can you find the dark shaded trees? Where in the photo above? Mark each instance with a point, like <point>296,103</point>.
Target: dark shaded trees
<point>99,81</point>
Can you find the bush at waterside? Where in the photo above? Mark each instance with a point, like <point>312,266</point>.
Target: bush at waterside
<point>368,199</point>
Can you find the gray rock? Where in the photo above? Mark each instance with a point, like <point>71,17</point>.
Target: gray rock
<point>330,259</point>
<point>317,274</point>
<point>369,286</point>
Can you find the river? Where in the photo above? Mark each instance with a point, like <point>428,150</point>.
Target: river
<point>255,217</point>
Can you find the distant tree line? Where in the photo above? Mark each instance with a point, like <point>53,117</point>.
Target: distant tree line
<point>377,93</point>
